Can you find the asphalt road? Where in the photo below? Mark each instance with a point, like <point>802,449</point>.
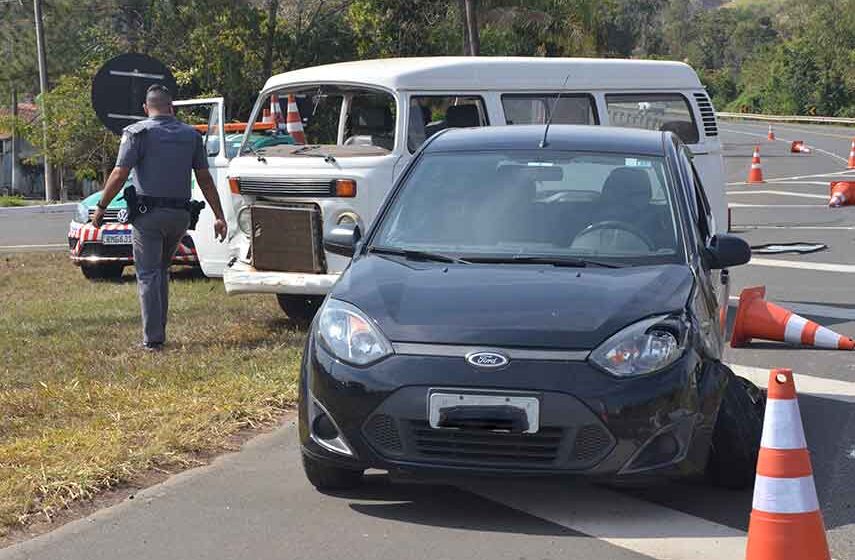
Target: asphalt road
<point>256,503</point>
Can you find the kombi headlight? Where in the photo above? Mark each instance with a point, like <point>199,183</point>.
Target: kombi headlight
<point>644,347</point>
<point>244,220</point>
<point>81,214</point>
<point>349,335</point>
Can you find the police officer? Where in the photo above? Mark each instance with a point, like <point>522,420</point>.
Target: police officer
<point>161,150</point>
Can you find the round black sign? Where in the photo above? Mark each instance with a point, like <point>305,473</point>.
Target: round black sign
<point>118,90</point>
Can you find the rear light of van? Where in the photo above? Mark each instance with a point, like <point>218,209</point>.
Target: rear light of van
<point>345,188</point>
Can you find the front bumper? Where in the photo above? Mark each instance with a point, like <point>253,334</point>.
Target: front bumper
<point>86,245</point>
<point>241,278</point>
<point>591,424</point>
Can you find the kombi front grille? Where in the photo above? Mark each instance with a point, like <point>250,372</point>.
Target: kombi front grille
<point>287,238</point>
<point>274,186</point>
<point>707,114</point>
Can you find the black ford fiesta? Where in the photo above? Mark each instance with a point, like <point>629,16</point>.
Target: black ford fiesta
<point>526,307</point>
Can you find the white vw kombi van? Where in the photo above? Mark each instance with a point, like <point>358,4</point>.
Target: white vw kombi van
<point>364,120</point>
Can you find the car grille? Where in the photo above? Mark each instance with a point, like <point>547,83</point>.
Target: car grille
<point>110,215</point>
<point>591,441</point>
<point>273,186</point>
<point>487,448</point>
<point>106,251</point>
<point>383,431</point>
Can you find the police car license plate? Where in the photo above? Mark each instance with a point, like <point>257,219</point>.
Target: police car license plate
<point>116,238</point>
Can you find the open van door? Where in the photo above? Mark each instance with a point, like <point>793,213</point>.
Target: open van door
<point>208,117</point>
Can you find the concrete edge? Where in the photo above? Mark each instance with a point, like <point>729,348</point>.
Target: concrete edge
<point>39,209</point>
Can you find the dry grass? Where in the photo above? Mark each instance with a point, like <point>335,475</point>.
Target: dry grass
<point>82,409</point>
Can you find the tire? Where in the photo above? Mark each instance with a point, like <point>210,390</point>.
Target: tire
<point>736,438</point>
<point>300,308</point>
<point>109,271</point>
<point>326,477</point>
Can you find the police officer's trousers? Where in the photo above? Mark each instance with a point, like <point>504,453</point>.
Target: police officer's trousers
<point>156,236</point>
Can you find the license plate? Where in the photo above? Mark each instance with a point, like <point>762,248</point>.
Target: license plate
<point>443,404</point>
<point>109,238</point>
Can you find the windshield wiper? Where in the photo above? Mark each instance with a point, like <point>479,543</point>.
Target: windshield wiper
<point>417,255</point>
<point>255,152</point>
<point>303,151</point>
<point>572,262</point>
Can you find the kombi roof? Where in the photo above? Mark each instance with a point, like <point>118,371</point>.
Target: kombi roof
<point>497,73</point>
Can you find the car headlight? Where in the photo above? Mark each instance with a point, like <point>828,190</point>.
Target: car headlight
<point>350,335</point>
<point>244,220</point>
<point>644,347</point>
<point>81,214</point>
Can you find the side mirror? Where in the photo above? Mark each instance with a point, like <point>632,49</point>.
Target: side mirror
<point>342,239</point>
<point>727,250</point>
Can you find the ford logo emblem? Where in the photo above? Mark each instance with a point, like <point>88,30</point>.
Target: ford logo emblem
<point>491,360</point>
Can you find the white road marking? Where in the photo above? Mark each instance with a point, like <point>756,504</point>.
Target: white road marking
<point>48,246</point>
<point>637,525</point>
<point>814,309</point>
<point>833,389</point>
<point>804,265</point>
<point>798,179</point>
<point>787,141</point>
<point>831,228</point>
<point>782,193</point>
<point>740,205</point>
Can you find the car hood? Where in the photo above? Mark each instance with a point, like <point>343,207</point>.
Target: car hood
<point>509,305</point>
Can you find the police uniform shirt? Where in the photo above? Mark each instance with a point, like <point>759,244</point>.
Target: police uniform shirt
<point>162,151</point>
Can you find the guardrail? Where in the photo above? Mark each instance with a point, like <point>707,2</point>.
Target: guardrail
<point>786,118</point>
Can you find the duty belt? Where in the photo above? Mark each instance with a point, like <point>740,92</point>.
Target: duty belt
<point>163,202</point>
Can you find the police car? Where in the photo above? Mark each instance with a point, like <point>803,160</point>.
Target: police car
<point>103,253</point>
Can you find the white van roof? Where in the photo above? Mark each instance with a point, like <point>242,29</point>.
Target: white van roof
<point>498,73</point>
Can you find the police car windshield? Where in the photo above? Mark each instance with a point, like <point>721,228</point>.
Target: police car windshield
<point>344,120</point>
<point>617,209</point>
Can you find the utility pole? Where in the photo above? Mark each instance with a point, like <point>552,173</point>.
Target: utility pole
<point>50,188</point>
<point>472,33</point>
<point>14,186</point>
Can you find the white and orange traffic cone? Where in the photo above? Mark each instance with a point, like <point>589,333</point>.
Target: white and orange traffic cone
<point>755,173</point>
<point>841,193</point>
<point>851,163</point>
<point>771,135</point>
<point>757,318</point>
<point>276,112</point>
<point>786,522</point>
<point>266,117</point>
<point>798,147</point>
<point>294,122</point>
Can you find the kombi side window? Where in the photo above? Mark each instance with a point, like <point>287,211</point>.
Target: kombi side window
<point>431,113</point>
<point>535,108</point>
<point>654,111</point>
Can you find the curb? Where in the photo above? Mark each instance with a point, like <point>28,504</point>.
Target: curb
<point>40,209</point>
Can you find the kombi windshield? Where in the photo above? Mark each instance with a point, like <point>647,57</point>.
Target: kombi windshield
<point>605,206</point>
<point>335,120</point>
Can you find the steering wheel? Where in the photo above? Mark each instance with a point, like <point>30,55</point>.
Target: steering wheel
<point>614,224</point>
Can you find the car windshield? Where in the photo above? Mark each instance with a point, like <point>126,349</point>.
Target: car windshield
<point>600,207</point>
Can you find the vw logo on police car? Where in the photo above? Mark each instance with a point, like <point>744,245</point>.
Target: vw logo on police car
<point>489,360</point>
<point>122,216</point>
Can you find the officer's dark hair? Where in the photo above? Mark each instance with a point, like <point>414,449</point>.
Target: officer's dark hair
<point>158,97</point>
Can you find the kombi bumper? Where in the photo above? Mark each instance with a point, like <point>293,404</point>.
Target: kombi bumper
<point>590,423</point>
<point>241,278</point>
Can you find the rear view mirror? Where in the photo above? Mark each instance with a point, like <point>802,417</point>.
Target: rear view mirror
<point>726,250</point>
<point>342,239</point>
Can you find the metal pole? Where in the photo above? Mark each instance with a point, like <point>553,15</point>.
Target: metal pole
<point>14,186</point>
<point>471,7</point>
<point>50,188</point>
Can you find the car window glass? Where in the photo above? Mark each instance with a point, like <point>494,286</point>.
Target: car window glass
<point>600,205</point>
<point>653,111</point>
<point>205,119</point>
<point>536,108</point>
<point>428,114</point>
<point>697,199</point>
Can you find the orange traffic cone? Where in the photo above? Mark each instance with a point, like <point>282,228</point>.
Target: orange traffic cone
<point>276,112</point>
<point>756,318</point>
<point>798,147</point>
<point>266,117</point>
<point>771,135</point>
<point>786,522</point>
<point>842,193</point>
<point>294,122</point>
<point>851,164</point>
<point>755,173</point>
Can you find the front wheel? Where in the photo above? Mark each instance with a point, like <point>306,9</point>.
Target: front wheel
<point>736,438</point>
<point>102,271</point>
<point>300,308</point>
<point>327,477</point>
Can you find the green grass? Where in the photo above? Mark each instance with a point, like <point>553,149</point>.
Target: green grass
<point>6,200</point>
<point>82,409</point>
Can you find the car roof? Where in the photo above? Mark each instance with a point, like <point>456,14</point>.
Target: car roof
<point>502,73</point>
<point>561,137</point>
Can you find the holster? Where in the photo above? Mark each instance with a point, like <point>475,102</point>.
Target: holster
<point>195,208</point>
<point>129,194</point>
